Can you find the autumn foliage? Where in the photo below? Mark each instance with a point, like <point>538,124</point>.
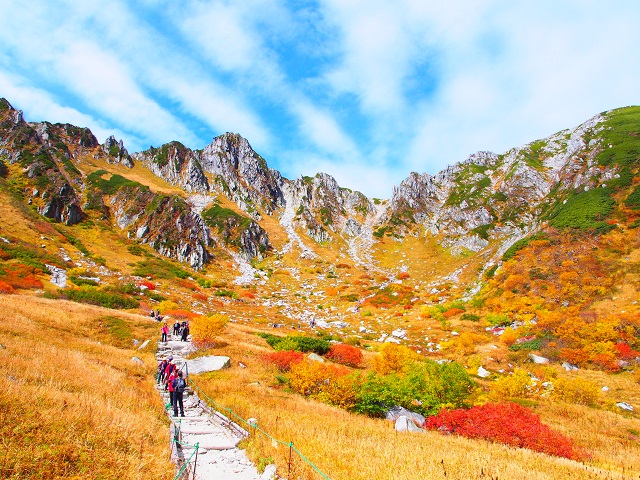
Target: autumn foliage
<point>345,354</point>
<point>507,423</point>
<point>22,276</point>
<point>205,329</point>
<point>283,359</point>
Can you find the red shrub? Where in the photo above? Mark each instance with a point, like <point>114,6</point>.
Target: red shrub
<point>626,352</point>
<point>403,276</point>
<point>507,423</point>
<point>6,288</point>
<point>148,284</point>
<point>283,359</point>
<point>246,294</point>
<point>200,296</point>
<point>345,354</point>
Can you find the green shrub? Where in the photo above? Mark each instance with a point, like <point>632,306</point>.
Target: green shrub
<point>535,344</point>
<point>94,296</point>
<point>299,343</point>
<point>497,320</point>
<point>585,211</point>
<point>426,388</point>
<point>470,316</point>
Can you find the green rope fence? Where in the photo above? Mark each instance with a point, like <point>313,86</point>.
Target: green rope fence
<point>255,428</point>
<point>185,465</point>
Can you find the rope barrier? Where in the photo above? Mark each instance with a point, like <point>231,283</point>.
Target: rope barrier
<point>258,429</point>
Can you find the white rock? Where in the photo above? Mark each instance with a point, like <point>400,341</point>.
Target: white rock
<point>137,360</point>
<point>605,389</point>
<point>269,473</point>
<point>405,424</point>
<point>314,357</point>
<point>624,406</point>
<point>538,359</point>
<point>399,333</point>
<point>482,373</point>
<point>208,364</point>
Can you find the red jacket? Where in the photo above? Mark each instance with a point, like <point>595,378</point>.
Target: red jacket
<point>173,375</point>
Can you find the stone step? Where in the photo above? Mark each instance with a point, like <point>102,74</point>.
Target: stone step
<point>212,441</point>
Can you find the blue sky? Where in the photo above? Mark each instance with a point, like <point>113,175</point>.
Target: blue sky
<point>365,90</point>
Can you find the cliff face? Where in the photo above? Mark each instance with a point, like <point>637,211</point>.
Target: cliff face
<point>487,200</point>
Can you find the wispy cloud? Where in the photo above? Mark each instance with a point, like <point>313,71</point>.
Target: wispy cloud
<point>365,89</point>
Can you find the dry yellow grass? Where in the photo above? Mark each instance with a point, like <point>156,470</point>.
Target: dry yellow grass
<point>73,404</point>
<point>351,447</point>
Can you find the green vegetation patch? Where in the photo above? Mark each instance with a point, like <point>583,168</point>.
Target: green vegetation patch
<point>111,186</point>
<point>426,388</point>
<point>516,247</point>
<point>158,268</point>
<point>535,344</point>
<point>633,200</point>
<point>299,343</point>
<point>98,297</point>
<point>221,218</point>
<point>620,139</point>
<point>585,211</point>
<point>118,330</point>
<point>28,255</point>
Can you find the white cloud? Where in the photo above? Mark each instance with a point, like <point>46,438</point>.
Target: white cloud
<point>38,105</point>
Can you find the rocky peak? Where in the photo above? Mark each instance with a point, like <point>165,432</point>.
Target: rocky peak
<point>116,153</point>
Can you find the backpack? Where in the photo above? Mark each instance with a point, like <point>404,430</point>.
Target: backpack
<point>180,385</point>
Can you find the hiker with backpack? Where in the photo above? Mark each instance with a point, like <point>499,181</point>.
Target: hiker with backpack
<point>161,366</point>
<point>170,386</point>
<point>185,331</point>
<point>179,385</point>
<point>176,328</point>
<point>169,369</point>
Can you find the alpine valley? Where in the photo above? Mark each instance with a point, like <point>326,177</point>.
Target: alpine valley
<point>521,267</point>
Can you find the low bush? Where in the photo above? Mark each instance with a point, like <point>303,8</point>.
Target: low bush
<point>95,296</point>
<point>506,423</point>
<point>535,344</point>
<point>426,387</point>
<point>312,378</point>
<point>205,329</point>
<point>576,390</point>
<point>345,354</point>
<point>298,343</point>
<point>283,359</point>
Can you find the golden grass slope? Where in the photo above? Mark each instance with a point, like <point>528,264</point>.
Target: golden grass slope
<point>73,404</point>
<point>352,447</point>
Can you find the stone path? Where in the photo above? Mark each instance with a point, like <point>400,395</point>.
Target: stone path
<point>218,457</point>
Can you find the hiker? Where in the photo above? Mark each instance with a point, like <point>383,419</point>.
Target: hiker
<point>170,386</point>
<point>179,384</point>
<point>161,366</point>
<point>185,331</point>
<point>171,367</point>
<point>165,331</point>
<point>176,328</point>
<point>153,314</point>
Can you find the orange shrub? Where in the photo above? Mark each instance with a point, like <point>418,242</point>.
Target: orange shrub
<point>21,276</point>
<point>246,294</point>
<point>200,296</point>
<point>330,291</point>
<point>182,314</point>
<point>188,284</point>
<point>452,312</point>
<point>403,276</point>
<point>345,354</point>
<point>343,265</point>
<point>6,288</point>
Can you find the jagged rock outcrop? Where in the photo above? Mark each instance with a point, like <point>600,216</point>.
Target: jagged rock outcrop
<point>116,153</point>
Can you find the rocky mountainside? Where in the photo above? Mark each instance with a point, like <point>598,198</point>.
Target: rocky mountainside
<point>481,205</point>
